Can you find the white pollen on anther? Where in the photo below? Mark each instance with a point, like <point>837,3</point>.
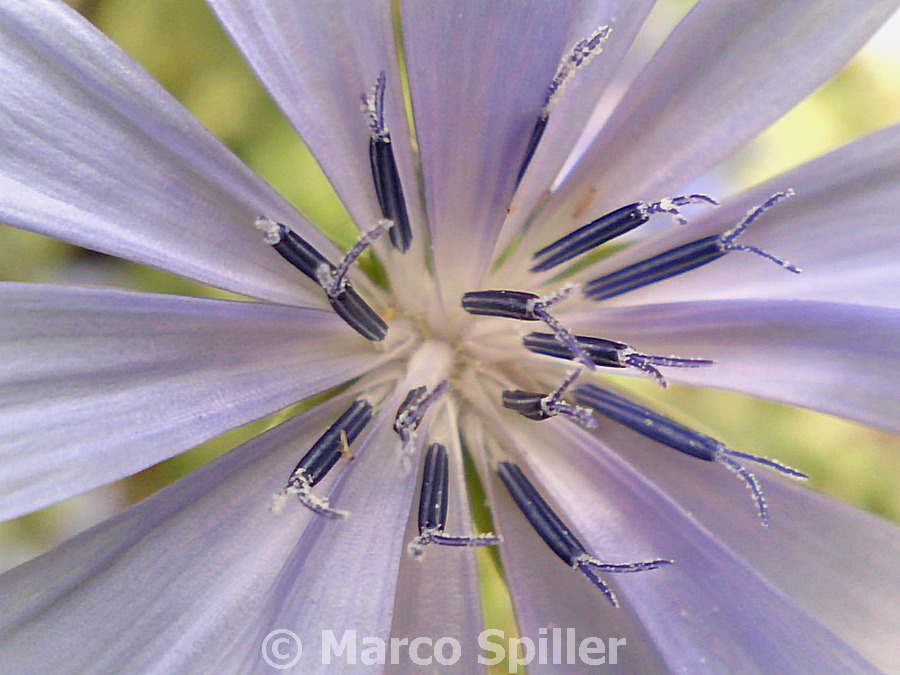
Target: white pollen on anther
<point>373,109</point>
<point>549,300</point>
<point>273,230</point>
<point>325,277</point>
<point>581,54</point>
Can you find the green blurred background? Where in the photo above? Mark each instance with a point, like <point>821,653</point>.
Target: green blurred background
<point>181,44</point>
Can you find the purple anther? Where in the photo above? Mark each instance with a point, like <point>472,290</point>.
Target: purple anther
<point>537,406</point>
<point>385,175</point>
<point>559,537</point>
<point>679,437</point>
<point>684,258</point>
<point>433,501</point>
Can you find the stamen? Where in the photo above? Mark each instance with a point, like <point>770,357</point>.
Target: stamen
<point>358,315</point>
<point>684,258</point>
<point>373,107</point>
<point>345,301</point>
<point>728,237</point>
<point>335,281</point>
<point>321,458</point>
<point>538,407</point>
<point>554,299</point>
<point>540,126</point>
<point>670,205</point>
<point>560,332</point>
<point>610,354</point>
<point>610,226</point>
<point>388,187</point>
<point>580,56</point>
<point>678,437</point>
<point>527,307</point>
<point>551,403</point>
<point>558,536</point>
<point>507,304</point>
<point>433,508</point>
<point>411,413</point>
<point>292,247</point>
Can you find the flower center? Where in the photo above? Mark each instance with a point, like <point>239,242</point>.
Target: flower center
<point>472,357</point>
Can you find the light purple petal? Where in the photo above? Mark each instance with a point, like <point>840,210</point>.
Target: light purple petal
<point>813,543</point>
<point>96,153</point>
<point>837,358</point>
<point>100,384</point>
<point>318,59</point>
<point>729,70</point>
<point>179,582</point>
<point>438,596</point>
<point>343,576</point>
<point>546,595</point>
<point>576,106</point>
<point>711,609</point>
<point>839,228</point>
<point>478,73</point>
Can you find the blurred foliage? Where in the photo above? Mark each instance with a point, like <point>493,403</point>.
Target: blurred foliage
<point>180,43</point>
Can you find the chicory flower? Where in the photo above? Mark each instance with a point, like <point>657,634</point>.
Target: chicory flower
<point>99,384</point>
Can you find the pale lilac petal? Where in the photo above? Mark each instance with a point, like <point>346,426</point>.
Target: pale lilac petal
<point>729,70</point>
<point>299,52</point>
<point>438,596</point>
<point>710,609</point>
<point>100,384</point>
<point>173,583</point>
<point>576,106</point>
<point>543,594</point>
<point>837,358</point>
<point>343,576</point>
<point>94,152</point>
<point>318,59</point>
<point>478,73</point>
<point>546,595</point>
<point>813,543</point>
<point>840,228</point>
